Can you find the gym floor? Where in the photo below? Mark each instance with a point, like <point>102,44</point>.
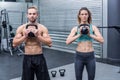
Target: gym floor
<point>11,66</point>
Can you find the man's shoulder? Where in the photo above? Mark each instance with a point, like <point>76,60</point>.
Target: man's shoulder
<point>41,26</point>
<point>21,27</point>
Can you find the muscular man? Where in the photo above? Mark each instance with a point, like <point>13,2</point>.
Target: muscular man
<point>33,35</point>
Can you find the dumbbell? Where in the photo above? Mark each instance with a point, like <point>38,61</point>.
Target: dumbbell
<point>31,34</point>
<point>84,29</point>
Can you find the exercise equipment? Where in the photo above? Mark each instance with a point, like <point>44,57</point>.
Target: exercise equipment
<point>6,35</point>
<point>112,27</point>
<point>115,58</point>
<point>31,34</point>
<point>84,29</point>
<point>53,73</point>
<point>62,72</point>
<point>4,24</point>
<point>0,32</point>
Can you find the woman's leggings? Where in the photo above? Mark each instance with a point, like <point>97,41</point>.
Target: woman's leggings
<point>85,59</point>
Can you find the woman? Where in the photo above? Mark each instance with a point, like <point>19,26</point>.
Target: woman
<point>84,52</point>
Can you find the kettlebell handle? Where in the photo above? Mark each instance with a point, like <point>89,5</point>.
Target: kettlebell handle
<point>36,27</point>
<point>84,25</point>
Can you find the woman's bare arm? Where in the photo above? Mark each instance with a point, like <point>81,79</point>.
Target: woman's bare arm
<point>97,35</point>
<point>72,37</point>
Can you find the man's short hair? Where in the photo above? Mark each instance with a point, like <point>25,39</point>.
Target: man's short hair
<point>33,7</point>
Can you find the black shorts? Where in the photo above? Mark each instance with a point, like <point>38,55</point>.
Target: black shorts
<point>35,65</point>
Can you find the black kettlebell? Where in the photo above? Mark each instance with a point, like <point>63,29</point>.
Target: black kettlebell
<point>53,73</point>
<point>84,29</point>
<point>62,72</point>
<point>31,34</point>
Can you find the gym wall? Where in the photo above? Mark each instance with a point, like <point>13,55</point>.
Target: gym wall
<point>113,34</point>
<point>62,15</point>
<point>16,13</point>
<point>59,16</point>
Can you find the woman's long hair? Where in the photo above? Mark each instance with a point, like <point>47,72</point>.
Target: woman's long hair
<point>89,15</point>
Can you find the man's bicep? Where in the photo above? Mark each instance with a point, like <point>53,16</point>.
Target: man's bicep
<point>18,33</point>
<point>46,33</point>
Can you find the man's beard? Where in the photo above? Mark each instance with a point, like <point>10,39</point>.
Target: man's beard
<point>33,20</point>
